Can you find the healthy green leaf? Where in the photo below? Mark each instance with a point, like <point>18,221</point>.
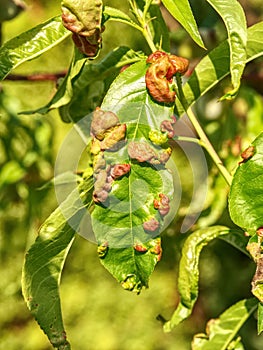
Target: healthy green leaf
<point>31,44</point>
<point>189,272</point>
<point>119,223</point>
<point>44,263</point>
<point>222,331</point>
<point>215,66</point>
<point>182,12</point>
<point>159,29</point>
<point>245,198</point>
<point>65,91</point>
<point>238,240</point>
<point>85,85</point>
<point>235,21</point>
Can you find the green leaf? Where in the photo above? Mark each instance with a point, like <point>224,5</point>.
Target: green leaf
<point>11,172</point>
<point>31,44</point>
<point>119,222</point>
<point>65,91</point>
<point>113,14</point>
<point>44,263</point>
<point>235,21</point>
<point>260,318</point>
<point>83,89</point>
<point>222,331</point>
<point>159,29</point>
<point>182,12</point>
<point>189,272</point>
<point>215,66</point>
<point>238,240</point>
<point>245,198</point>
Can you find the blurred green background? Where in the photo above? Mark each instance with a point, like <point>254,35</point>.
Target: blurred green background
<point>98,313</point>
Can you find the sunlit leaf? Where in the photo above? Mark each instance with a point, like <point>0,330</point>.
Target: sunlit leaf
<point>189,272</point>
<point>119,223</point>
<point>235,21</point>
<point>44,263</point>
<point>114,14</point>
<point>31,44</point>
<point>215,66</point>
<point>222,331</point>
<point>182,12</point>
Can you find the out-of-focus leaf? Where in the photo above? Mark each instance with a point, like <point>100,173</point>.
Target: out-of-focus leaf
<point>31,44</point>
<point>44,263</point>
<point>182,12</point>
<point>215,66</point>
<point>260,318</point>
<point>245,198</point>
<point>222,331</point>
<point>189,272</point>
<point>10,9</point>
<point>235,21</point>
<point>10,173</point>
<point>130,202</point>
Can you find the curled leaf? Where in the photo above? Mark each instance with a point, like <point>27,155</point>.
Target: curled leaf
<point>83,18</point>
<point>159,75</point>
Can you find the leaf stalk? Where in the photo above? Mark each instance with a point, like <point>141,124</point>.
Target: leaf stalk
<point>205,142</point>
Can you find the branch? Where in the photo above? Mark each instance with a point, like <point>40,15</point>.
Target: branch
<point>37,76</point>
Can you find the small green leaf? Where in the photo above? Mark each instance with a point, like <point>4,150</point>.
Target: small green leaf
<point>189,272</point>
<point>113,14</point>
<point>245,198</point>
<point>234,18</point>
<point>44,263</point>
<point>222,331</point>
<point>238,240</point>
<point>11,173</point>
<point>31,44</point>
<point>215,66</point>
<point>182,12</point>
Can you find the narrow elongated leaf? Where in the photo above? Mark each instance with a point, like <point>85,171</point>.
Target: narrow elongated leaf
<point>65,90</point>
<point>182,12</point>
<point>44,263</point>
<point>189,272</point>
<point>159,29</point>
<point>235,21</point>
<point>245,197</point>
<point>215,66</point>
<point>222,331</point>
<point>119,223</point>
<point>31,44</point>
<point>113,14</point>
<point>84,87</point>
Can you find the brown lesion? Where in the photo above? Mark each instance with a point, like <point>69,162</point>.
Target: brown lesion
<point>84,21</point>
<point>160,74</point>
